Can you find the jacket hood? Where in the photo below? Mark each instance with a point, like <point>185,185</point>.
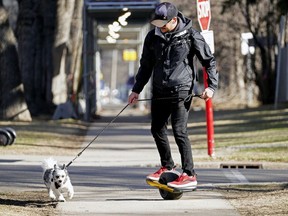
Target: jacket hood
<point>184,22</point>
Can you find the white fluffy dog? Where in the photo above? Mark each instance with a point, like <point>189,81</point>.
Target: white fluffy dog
<point>56,180</point>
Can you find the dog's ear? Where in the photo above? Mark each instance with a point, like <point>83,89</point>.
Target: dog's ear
<point>55,166</point>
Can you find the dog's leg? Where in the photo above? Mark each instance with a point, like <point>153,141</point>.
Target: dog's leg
<point>59,195</point>
<point>51,194</point>
<point>70,190</point>
<point>61,198</point>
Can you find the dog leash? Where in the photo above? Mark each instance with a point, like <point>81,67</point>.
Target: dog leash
<point>186,99</point>
<point>78,155</point>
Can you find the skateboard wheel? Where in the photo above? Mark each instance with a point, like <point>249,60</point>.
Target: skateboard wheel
<point>5,137</point>
<point>164,179</point>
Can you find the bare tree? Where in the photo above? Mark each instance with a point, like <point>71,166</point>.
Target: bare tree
<point>261,18</point>
<point>67,49</point>
<point>12,101</point>
<point>64,15</point>
<point>75,50</point>
<point>35,34</point>
<point>50,48</point>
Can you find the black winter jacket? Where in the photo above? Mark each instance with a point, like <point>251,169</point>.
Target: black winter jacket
<point>169,57</point>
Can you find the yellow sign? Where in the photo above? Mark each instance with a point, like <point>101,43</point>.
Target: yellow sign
<point>129,55</point>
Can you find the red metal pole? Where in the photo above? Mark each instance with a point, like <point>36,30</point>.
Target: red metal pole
<point>209,120</point>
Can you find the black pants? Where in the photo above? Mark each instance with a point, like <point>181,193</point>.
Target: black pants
<point>178,111</point>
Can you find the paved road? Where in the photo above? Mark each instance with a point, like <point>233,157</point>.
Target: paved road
<point>133,178</point>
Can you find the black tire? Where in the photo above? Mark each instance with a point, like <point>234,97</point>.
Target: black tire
<point>164,179</point>
<point>5,137</point>
<point>13,134</point>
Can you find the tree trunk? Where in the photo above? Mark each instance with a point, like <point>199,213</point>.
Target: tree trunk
<point>12,101</point>
<point>35,30</point>
<point>75,49</point>
<point>65,9</point>
<point>50,45</point>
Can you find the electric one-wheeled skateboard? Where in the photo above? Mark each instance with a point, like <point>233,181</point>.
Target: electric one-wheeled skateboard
<point>166,192</point>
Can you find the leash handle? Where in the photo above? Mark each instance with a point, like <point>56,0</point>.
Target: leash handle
<point>190,96</point>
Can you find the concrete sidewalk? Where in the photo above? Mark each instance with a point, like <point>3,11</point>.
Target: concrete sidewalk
<point>145,202</point>
<point>128,143</point>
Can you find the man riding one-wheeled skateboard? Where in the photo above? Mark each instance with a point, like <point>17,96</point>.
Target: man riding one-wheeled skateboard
<point>168,53</point>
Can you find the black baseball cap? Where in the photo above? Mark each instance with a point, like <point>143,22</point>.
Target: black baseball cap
<point>164,12</point>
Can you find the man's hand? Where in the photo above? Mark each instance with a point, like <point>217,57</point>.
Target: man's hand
<point>133,97</point>
<point>207,94</point>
